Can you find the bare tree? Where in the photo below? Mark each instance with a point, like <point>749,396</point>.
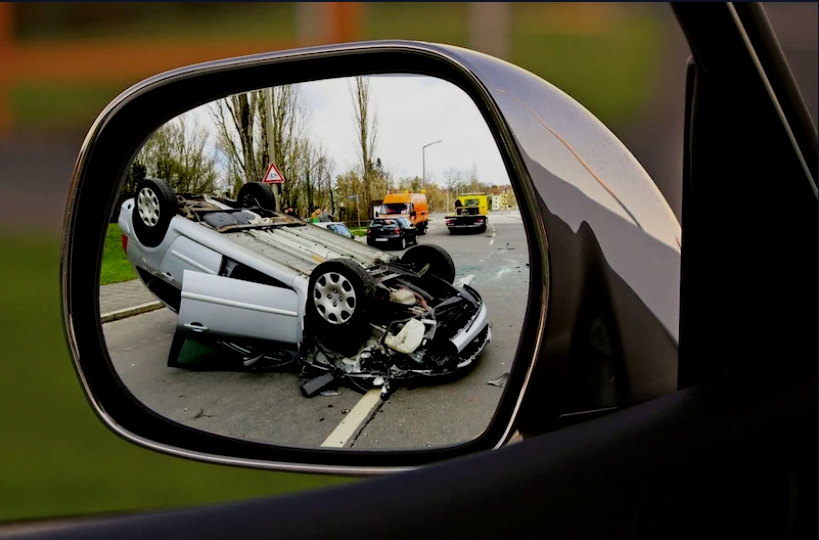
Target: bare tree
<point>366,126</point>
<point>453,179</point>
<point>315,168</point>
<point>260,127</point>
<point>176,153</point>
<point>236,119</point>
<point>283,134</point>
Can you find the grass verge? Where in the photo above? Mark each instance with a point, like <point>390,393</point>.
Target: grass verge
<point>115,264</point>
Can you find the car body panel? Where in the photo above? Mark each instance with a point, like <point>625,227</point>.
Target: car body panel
<point>234,308</point>
<point>287,254</point>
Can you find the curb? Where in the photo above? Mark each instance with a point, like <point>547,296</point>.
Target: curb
<point>130,312</point>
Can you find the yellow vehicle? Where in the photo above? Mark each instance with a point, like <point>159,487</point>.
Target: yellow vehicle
<point>411,205</point>
<point>471,213</point>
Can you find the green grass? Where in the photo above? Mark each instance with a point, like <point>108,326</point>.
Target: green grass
<point>58,459</point>
<point>358,231</point>
<point>115,265</point>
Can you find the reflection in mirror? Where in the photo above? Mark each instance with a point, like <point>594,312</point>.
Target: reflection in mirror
<point>337,264</point>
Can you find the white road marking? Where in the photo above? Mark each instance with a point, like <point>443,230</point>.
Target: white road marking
<point>466,280</point>
<point>492,241</point>
<point>357,416</point>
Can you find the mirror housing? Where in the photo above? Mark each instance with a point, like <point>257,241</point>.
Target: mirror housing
<point>606,274</point>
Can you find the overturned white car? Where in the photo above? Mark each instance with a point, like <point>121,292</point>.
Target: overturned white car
<point>275,289</point>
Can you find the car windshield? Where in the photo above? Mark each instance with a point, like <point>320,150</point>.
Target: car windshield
<point>383,222</point>
<point>473,202</point>
<point>395,208</point>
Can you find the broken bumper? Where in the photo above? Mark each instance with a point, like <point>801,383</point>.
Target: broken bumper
<point>469,332</point>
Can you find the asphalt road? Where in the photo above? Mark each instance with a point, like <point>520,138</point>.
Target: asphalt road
<point>269,407</point>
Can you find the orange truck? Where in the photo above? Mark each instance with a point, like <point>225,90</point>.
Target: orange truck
<point>412,205</point>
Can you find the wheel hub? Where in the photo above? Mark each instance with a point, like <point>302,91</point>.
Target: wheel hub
<point>148,206</point>
<point>334,297</point>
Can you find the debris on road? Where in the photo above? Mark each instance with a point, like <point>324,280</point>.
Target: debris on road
<point>500,382</point>
<point>329,393</point>
<point>313,386</point>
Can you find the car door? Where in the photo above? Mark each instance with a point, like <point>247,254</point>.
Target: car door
<point>219,307</point>
<point>409,231</point>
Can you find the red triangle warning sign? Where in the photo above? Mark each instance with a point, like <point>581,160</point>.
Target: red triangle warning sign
<point>273,175</point>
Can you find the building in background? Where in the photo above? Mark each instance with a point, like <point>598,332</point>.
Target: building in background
<point>506,198</point>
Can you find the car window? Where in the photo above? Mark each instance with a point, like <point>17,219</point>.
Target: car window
<point>344,231</point>
<point>331,228</point>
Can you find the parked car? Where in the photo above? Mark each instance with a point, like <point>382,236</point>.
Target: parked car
<point>261,282</point>
<point>336,227</point>
<point>395,231</point>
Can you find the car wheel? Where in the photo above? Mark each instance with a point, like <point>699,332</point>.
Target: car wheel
<point>422,229</point>
<point>341,293</point>
<point>256,194</point>
<point>440,263</point>
<point>403,242</point>
<point>155,205</point>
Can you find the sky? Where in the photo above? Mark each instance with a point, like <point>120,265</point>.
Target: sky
<point>412,111</point>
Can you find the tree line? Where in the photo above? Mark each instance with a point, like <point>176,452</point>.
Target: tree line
<point>256,128</point>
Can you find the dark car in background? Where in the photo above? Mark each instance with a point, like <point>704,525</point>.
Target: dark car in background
<point>392,232</point>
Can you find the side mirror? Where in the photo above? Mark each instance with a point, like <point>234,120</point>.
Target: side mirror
<point>265,343</point>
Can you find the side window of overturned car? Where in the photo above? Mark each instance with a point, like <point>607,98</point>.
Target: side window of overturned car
<point>265,328</point>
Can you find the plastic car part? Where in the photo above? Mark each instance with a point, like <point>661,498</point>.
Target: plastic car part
<point>408,339</point>
<point>314,386</point>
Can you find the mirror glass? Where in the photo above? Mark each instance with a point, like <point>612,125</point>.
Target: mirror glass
<point>338,264</point>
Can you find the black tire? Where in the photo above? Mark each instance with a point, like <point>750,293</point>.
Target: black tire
<point>440,263</point>
<point>402,242</point>
<point>336,330</point>
<point>422,229</point>
<point>256,194</point>
<point>155,205</point>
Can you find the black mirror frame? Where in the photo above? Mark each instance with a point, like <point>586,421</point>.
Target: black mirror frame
<point>113,141</point>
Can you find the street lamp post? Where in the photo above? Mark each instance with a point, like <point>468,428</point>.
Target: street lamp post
<point>424,163</point>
